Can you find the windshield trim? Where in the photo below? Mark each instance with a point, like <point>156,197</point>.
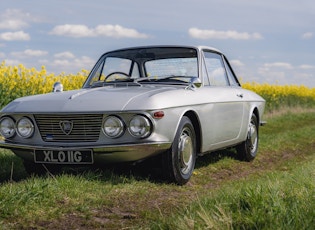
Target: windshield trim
<point>138,56</point>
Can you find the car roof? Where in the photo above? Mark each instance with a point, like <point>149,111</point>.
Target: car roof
<point>201,47</point>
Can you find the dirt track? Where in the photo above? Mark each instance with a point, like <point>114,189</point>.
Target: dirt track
<point>126,211</point>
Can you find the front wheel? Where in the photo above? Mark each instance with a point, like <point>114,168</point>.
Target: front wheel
<point>179,161</point>
<point>247,150</point>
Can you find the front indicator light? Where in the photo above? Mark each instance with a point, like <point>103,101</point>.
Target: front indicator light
<point>7,127</point>
<point>113,127</point>
<point>158,114</point>
<point>140,126</point>
<point>25,127</point>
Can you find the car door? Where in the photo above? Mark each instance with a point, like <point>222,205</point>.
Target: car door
<point>226,116</point>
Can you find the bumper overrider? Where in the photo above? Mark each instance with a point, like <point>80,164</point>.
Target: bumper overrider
<point>86,154</point>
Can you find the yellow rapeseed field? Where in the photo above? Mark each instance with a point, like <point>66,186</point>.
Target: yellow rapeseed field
<point>279,96</point>
<point>18,81</point>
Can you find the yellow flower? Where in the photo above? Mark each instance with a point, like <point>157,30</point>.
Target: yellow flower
<point>18,81</point>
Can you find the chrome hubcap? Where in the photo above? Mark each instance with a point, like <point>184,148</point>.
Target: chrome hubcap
<point>186,150</point>
<point>252,137</point>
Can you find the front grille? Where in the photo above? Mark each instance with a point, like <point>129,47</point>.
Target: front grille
<point>69,128</point>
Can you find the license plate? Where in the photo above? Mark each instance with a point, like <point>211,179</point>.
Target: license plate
<point>64,156</point>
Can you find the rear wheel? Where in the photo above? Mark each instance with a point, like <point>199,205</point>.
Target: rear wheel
<point>179,161</point>
<point>247,150</point>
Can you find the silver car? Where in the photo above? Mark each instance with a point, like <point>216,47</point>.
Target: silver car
<point>169,102</point>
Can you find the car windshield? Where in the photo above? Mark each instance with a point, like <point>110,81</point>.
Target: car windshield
<point>168,65</point>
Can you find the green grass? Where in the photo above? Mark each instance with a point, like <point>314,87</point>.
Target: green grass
<point>11,166</point>
<point>277,200</point>
<point>288,131</point>
<point>275,191</point>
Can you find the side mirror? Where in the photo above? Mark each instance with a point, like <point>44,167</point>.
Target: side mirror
<point>58,87</point>
<point>195,82</point>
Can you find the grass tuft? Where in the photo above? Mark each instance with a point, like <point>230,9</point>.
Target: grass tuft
<point>283,200</point>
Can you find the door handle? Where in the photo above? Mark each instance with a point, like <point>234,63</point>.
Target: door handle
<point>239,95</point>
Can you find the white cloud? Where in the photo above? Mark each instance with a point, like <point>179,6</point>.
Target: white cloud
<point>285,73</point>
<point>29,53</point>
<point>84,62</point>
<point>12,62</point>
<point>215,34</point>
<point>307,35</point>
<point>43,61</point>
<point>272,77</point>
<point>15,36</point>
<point>16,13</point>
<point>236,63</point>
<point>15,19</point>
<point>72,31</point>
<point>12,24</point>
<point>101,30</point>
<point>2,55</point>
<point>118,32</point>
<point>36,53</point>
<point>61,62</point>
<point>283,65</point>
<point>66,54</point>
<point>274,72</point>
<point>307,67</point>
<point>66,65</point>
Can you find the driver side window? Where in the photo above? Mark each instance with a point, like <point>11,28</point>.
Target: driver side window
<point>215,69</point>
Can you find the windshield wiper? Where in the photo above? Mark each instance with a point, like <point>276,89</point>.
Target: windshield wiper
<point>177,78</point>
<point>174,78</point>
<point>114,82</point>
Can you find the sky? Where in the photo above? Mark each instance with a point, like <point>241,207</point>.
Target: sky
<point>270,41</point>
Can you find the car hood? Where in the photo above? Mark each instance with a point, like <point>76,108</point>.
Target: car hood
<point>94,100</point>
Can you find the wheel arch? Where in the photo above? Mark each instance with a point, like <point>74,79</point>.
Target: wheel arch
<point>256,112</point>
<point>196,123</point>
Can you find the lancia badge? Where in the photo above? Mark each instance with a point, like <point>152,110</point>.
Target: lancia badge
<point>66,126</point>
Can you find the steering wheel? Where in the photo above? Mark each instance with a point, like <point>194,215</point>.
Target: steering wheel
<point>125,76</point>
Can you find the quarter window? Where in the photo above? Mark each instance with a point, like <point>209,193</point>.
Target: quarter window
<point>215,68</point>
<point>205,75</point>
<point>230,75</point>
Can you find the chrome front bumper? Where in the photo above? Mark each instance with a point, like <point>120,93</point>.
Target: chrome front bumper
<point>101,154</point>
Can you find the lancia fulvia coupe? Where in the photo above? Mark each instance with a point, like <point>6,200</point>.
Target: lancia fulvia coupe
<point>170,102</point>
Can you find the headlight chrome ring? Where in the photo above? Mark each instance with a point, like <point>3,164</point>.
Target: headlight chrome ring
<point>7,127</point>
<point>113,127</point>
<point>25,127</point>
<point>140,126</point>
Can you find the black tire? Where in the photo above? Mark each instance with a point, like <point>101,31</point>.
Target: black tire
<point>40,169</point>
<point>247,150</point>
<point>179,162</point>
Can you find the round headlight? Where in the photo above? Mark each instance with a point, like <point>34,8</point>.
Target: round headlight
<point>140,126</point>
<point>25,127</point>
<point>7,127</point>
<point>113,126</point>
